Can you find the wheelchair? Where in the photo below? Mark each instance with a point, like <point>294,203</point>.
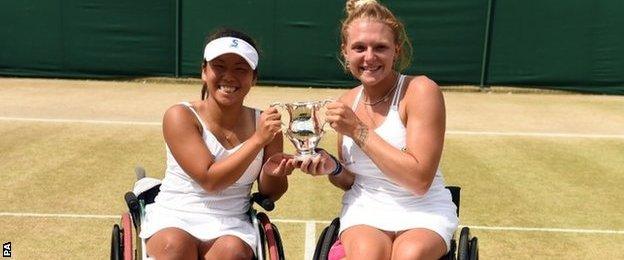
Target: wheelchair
<point>127,245</point>
<point>466,249</point>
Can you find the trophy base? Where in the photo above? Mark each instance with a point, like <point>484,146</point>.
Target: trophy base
<point>303,157</point>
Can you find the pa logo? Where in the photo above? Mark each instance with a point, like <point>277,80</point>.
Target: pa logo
<point>234,43</point>
<point>6,249</point>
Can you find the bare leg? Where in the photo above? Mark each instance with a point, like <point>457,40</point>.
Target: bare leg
<point>366,242</point>
<point>172,243</point>
<point>226,247</point>
<point>418,243</point>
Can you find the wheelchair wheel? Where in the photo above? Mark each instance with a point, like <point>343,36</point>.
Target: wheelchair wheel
<point>326,240</point>
<point>116,251</point>
<point>271,238</point>
<point>474,249</point>
<point>451,253</point>
<point>126,223</point>
<point>463,249</point>
<point>319,244</point>
<point>278,240</point>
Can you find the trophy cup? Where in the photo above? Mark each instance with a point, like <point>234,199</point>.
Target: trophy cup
<point>304,127</point>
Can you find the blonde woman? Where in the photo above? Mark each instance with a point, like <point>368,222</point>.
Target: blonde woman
<point>391,134</point>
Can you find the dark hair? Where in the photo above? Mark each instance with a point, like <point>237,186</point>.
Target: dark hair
<point>226,32</point>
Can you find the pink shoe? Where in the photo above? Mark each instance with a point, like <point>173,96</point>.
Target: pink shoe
<point>336,252</point>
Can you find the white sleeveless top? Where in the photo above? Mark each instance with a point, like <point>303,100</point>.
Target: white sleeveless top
<point>180,192</point>
<point>371,187</point>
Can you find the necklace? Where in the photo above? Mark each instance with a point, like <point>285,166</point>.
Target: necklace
<point>229,138</point>
<point>382,99</point>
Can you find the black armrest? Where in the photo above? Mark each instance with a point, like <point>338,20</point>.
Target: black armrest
<point>265,202</point>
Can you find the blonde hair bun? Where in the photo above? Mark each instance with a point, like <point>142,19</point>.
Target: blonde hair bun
<point>355,4</point>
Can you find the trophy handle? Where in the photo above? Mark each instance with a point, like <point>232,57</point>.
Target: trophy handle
<point>277,106</point>
<point>322,104</point>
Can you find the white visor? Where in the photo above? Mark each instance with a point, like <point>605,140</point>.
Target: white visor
<point>223,45</point>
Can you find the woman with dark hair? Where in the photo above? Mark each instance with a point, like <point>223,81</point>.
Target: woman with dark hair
<point>216,149</point>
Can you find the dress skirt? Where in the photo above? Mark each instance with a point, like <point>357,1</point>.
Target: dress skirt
<point>202,226</point>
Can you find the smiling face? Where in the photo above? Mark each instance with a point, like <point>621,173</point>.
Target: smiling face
<point>370,50</point>
<point>229,78</point>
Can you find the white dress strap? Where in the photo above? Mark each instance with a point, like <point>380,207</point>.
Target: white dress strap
<point>357,99</point>
<point>190,107</point>
<point>397,93</point>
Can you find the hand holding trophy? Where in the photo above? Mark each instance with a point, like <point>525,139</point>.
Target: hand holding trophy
<point>305,128</point>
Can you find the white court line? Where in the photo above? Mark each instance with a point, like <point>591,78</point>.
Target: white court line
<point>310,240</point>
<point>534,134</point>
<point>555,230</point>
<point>307,222</point>
<point>59,215</point>
<point>60,120</point>
<point>54,215</point>
<point>450,132</point>
<point>300,221</point>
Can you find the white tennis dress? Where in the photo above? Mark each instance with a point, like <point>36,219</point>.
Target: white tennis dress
<point>377,201</point>
<point>182,203</point>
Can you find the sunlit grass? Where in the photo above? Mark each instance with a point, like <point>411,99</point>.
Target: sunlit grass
<point>543,182</point>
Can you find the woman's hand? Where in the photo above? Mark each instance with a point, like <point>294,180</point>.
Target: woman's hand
<point>342,118</point>
<point>322,164</point>
<point>269,125</point>
<point>279,165</point>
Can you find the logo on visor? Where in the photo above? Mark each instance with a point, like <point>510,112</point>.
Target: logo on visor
<point>234,43</point>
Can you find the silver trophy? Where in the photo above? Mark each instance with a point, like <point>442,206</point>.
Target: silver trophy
<point>304,129</point>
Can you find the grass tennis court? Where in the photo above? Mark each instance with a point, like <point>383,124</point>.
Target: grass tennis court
<point>541,173</point>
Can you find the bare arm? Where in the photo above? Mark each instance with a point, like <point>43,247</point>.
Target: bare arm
<point>272,181</point>
<point>344,179</point>
<point>415,167</point>
<point>324,164</point>
<point>183,137</point>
